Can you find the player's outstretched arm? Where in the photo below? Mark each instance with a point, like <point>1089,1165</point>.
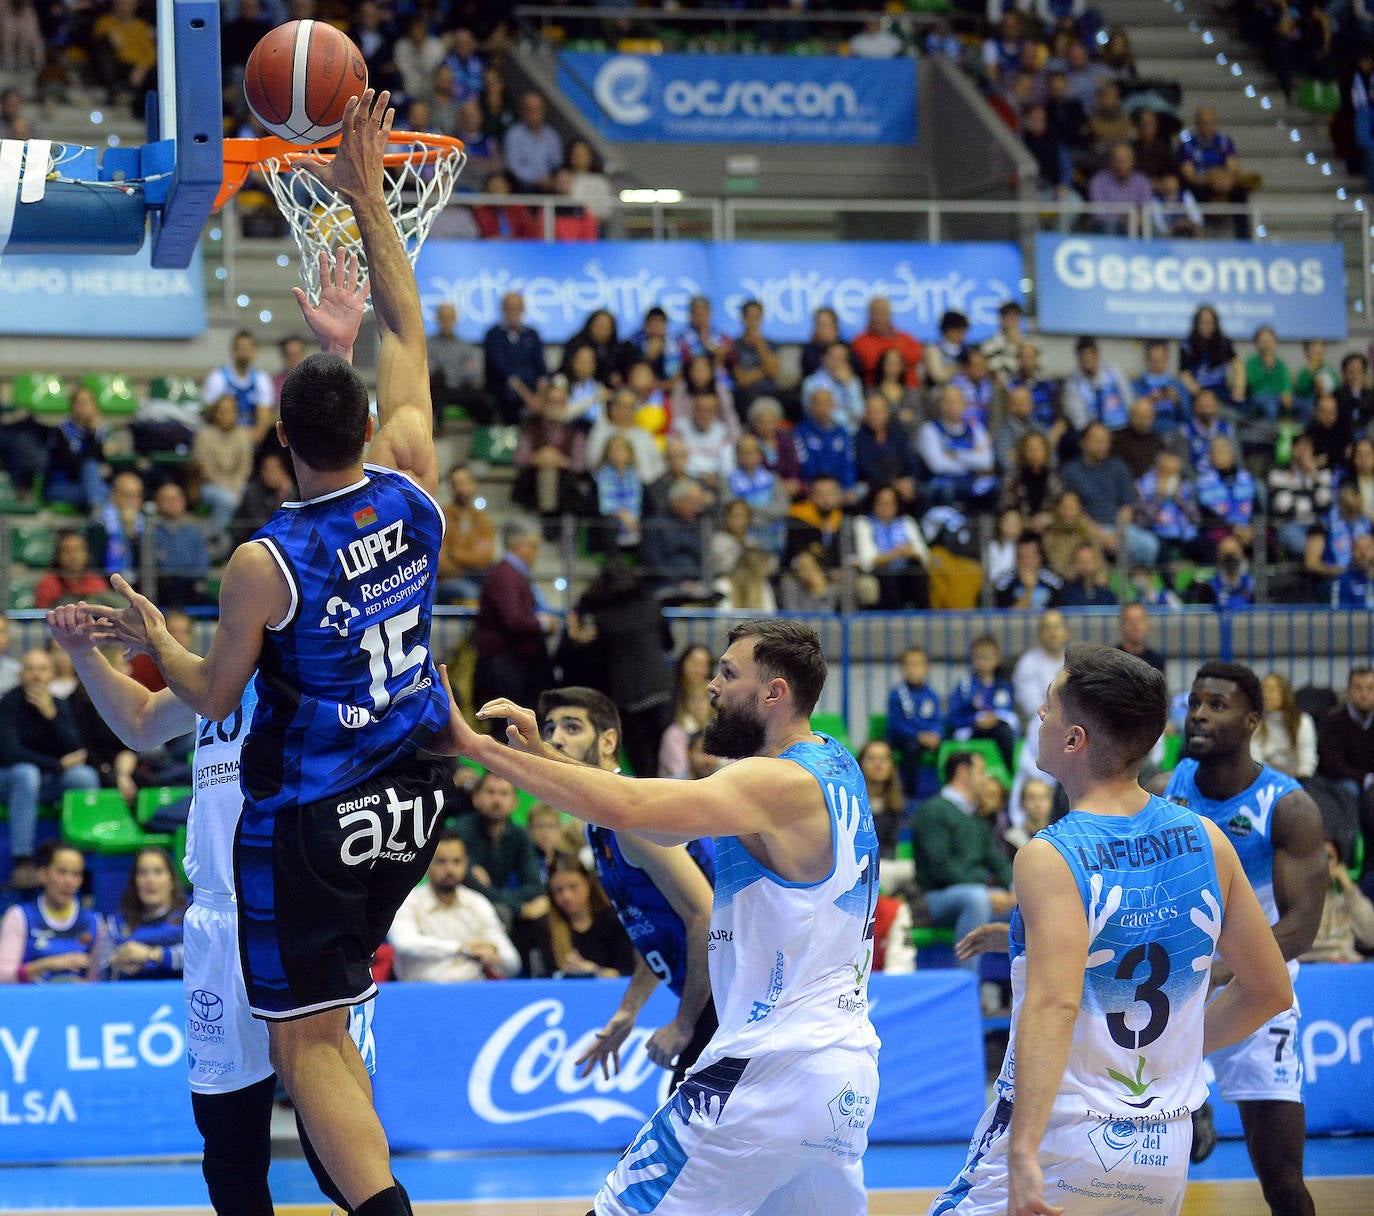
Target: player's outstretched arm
<point>405,435</point>
<point>1056,960</point>
<point>605,1048</point>
<point>1260,987</point>
<point>142,719</point>
<point>336,319</point>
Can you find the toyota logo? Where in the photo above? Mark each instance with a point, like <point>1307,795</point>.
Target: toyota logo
<point>206,1005</point>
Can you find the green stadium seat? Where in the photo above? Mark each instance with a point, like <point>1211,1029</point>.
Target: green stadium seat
<point>174,389</point>
<point>1173,751</point>
<point>152,800</point>
<point>833,725</point>
<point>21,593</point>
<point>112,393</point>
<point>495,444</point>
<point>32,545</point>
<point>99,821</point>
<point>877,727</point>
<point>179,855</point>
<point>41,393</point>
<point>991,753</point>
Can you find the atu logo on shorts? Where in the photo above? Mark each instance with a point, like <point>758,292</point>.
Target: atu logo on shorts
<point>206,1005</point>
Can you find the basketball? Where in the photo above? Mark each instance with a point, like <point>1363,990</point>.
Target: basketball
<point>299,79</point>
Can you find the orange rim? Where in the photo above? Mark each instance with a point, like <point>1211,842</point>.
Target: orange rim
<point>244,156</point>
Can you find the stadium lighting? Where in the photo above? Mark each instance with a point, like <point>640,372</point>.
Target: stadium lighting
<point>651,196</point>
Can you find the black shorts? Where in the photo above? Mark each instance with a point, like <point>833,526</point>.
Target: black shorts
<point>319,885</point>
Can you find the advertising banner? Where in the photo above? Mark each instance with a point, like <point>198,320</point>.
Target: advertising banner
<point>510,1081</point>
<point>743,99</point>
<point>562,284</point>
<point>92,296</point>
<point>1111,287</point>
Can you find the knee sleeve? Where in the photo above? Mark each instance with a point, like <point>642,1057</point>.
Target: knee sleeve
<point>237,1128</point>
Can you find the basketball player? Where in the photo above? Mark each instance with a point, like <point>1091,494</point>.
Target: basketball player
<point>1120,907</point>
<point>661,894</point>
<point>330,602</point>
<point>231,1078</point>
<point>774,1117</point>
<point>1277,830</point>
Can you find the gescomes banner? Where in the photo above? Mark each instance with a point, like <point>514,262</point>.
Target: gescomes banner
<point>1111,287</point>
<point>100,296</point>
<point>743,99</point>
<point>563,284</point>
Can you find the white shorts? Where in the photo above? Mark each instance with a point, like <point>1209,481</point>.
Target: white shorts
<point>1102,1167</point>
<point>1266,1067</point>
<point>778,1135</point>
<point>226,1046</point>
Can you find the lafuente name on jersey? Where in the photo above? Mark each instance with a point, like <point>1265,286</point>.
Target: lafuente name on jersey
<point>1137,852</point>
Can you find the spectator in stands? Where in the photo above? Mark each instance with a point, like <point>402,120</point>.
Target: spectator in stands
<point>1360,472</point>
<point>1044,393</point>
<point>76,458</point>
<point>222,455</point>
<point>9,666</point>
<point>1138,443</point>
<point>814,523</point>
<point>674,469</point>
<point>980,390</point>
<point>504,869</point>
<point>1120,182</point>
<point>957,857</point>
<point>752,482</point>
<point>1347,915</point>
<point>417,56</point>
<point>587,395</point>
<point>587,936</point>
<point>22,50</point>
<point>469,547</point>
<point>1109,123</point>
<point>1208,360</point>
<point>42,755</point>
<point>1135,635</point>
<point>123,54</point>
<point>506,221</point>
<point>1205,425</point>
<point>1299,496</point>
<point>144,942</point>
<point>620,493</point>
<point>469,72</point>
<point>1003,349</point>
<point>700,375</point>
<point>678,546</point>
<point>1029,586</point>
<point>982,705</point>
<point>1032,487</point>
<point>1345,746</point>
<point>1068,527</point>
<point>71,577</point>
<point>752,361</point>
<point>119,529</point>
<point>700,338</point>
<point>1286,738</point>
<point>106,753</point>
<point>1084,77</point>
<point>805,586</point>
<point>999,557</point>
<point>746,586</point>
<point>571,220</point>
<point>1330,549</point>
<point>179,550</point>
<point>1108,493</point>
<point>837,377</point>
<point>500,117</point>
<point>455,370</point>
<point>1268,383</point>
<point>51,938</point>
<point>946,353</point>
<point>590,185</point>
<point>1017,422</point>
<point>248,384</point>
<point>619,420</point>
<point>1226,494</point>
<point>707,439</point>
<point>1152,149</point>
<point>885,796</point>
<point>653,345</point>
<point>532,148</point>
<point>731,537</point>
<point>514,364</point>
<point>270,486</point>
<point>958,454</point>
<point>824,447</point>
<point>882,451</point>
<point>512,660</point>
<point>1315,376</point>
<point>1165,391</point>
<point>292,351</point>
<point>1088,587</point>
<point>1094,393</point>
<point>1167,506</point>
<point>1054,167</point>
<point>1232,587</point>
<point>914,721</point>
<point>890,550</point>
<point>880,335</point>
<point>1034,672</point>
<point>777,444</point>
<point>825,332</point>
<point>440,112</point>
<point>1355,588</point>
<point>1002,51</point>
<point>1208,164</point>
<point>551,472</point>
<point>1354,397</point>
<point>445,932</point>
<point>1173,209</point>
<point>612,356</point>
<point>1330,434</point>
<point>483,152</point>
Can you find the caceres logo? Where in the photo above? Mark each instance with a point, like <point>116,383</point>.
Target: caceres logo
<point>206,1005</point>
<point>368,552</point>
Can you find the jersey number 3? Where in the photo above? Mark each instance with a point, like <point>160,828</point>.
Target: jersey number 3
<point>1148,991</point>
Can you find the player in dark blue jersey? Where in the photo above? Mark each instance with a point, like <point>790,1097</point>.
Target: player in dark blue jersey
<point>330,606</point>
<point>661,894</point>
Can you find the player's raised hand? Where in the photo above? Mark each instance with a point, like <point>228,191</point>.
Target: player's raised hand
<point>335,320</point>
<point>355,169</point>
<point>73,626</point>
<point>137,628</point>
<point>522,729</point>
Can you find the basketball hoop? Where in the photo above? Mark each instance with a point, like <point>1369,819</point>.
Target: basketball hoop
<point>420,170</point>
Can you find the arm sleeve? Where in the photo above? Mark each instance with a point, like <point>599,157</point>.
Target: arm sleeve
<point>12,933</point>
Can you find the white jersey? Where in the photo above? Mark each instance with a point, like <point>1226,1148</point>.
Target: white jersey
<point>790,961</point>
<point>217,800</point>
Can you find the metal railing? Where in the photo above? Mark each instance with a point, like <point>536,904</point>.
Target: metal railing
<point>722,21</point>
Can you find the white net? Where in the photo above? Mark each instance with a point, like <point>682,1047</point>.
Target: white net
<point>419,178</point>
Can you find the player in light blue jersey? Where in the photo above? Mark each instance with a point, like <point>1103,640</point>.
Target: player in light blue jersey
<point>662,894</point>
<point>774,1117</point>
<point>329,608</point>
<point>1276,829</point>
<point>1120,907</point>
